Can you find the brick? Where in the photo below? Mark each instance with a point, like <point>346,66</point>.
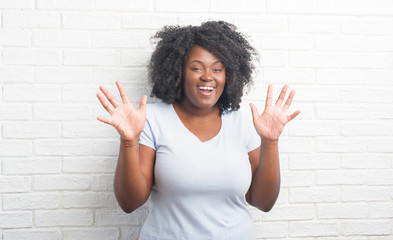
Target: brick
<point>137,39</point>
<point>106,148</point>
<point>15,38</point>
<point>124,5</point>
<point>315,195</point>
<point>366,128</point>
<point>314,60</point>
<point>63,74</point>
<point>380,145</point>
<point>314,161</point>
<point>15,148</point>
<point>369,95</point>
<point>66,5</point>
<point>17,219</point>
<point>62,112</point>
<point>17,4</point>
<point>35,165</point>
<point>379,111</point>
<point>290,76</point>
<point>108,217</point>
<point>313,229</point>
<point>31,130</point>
<point>15,111</point>
<point>89,200</point>
<point>297,179</point>
<point>89,164</point>
<point>366,161</point>
<point>353,43</point>
<point>342,77</point>
<point>124,75</point>
<point>61,38</point>
<point>89,130</point>
<point>179,6</point>
<point>85,21</point>
<point>84,94</point>
<point>135,58</point>
<point>335,111</point>
<point>344,177</point>
<point>381,210</point>
<point>61,182</point>
<point>93,234</point>
<point>30,19</point>
<point>366,228</point>
<point>292,6</point>
<point>91,57</point>
<point>363,7</point>
<point>261,24</point>
<point>380,177</point>
<point>367,25</point>
<point>32,234</point>
<point>274,58</point>
<point>253,6</point>
<point>15,184</point>
<point>31,57</point>
<point>31,201</point>
<point>16,74</point>
<point>314,24</point>
<point>365,193</point>
<point>63,147</point>
<point>148,20</point>
<point>30,93</point>
<point>314,128</point>
<point>288,213</point>
<point>287,41</point>
<point>370,60</point>
<point>269,230</point>
<point>300,145</point>
<point>49,218</point>
<point>341,145</point>
<point>342,211</point>
<point>102,182</point>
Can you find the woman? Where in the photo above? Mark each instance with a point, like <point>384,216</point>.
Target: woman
<point>195,155</point>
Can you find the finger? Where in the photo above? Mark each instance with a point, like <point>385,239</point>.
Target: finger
<point>282,96</point>
<point>254,111</point>
<point>109,96</point>
<point>293,115</point>
<point>123,93</point>
<point>269,96</point>
<point>105,104</point>
<point>142,104</point>
<point>105,120</point>
<point>289,101</point>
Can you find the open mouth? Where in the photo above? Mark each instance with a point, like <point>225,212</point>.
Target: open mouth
<point>206,90</point>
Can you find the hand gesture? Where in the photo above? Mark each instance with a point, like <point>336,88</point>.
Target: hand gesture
<point>127,120</point>
<point>271,123</point>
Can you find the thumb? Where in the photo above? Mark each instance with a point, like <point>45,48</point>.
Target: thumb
<point>254,111</point>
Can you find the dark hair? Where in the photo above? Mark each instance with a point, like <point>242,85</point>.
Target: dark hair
<point>218,37</point>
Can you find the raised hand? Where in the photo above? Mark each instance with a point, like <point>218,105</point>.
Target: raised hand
<point>127,120</point>
<point>272,121</point>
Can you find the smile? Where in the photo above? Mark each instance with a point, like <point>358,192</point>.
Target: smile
<point>205,90</point>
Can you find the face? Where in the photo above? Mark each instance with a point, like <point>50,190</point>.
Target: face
<point>204,78</point>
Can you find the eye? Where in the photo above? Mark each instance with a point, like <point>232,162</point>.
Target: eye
<point>195,68</point>
<point>217,70</point>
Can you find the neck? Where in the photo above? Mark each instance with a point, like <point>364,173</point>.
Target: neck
<point>192,111</point>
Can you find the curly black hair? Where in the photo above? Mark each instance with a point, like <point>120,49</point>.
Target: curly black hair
<point>165,69</point>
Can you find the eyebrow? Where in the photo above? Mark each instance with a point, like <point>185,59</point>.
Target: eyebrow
<point>197,61</point>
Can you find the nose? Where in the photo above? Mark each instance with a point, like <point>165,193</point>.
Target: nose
<point>207,76</point>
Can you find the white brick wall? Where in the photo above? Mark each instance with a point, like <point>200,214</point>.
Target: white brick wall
<point>57,162</point>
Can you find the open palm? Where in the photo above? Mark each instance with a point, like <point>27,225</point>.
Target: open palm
<point>127,120</point>
<point>272,121</point>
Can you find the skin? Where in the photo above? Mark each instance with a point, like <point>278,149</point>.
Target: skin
<point>134,172</point>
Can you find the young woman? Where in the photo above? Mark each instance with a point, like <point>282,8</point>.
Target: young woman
<point>197,157</point>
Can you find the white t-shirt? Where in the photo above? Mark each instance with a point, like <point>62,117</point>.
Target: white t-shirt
<point>199,190</point>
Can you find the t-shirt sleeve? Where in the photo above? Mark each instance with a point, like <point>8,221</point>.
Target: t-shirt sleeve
<point>254,140</point>
<point>147,137</point>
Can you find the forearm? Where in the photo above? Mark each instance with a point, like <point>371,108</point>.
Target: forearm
<point>130,185</point>
<point>266,180</point>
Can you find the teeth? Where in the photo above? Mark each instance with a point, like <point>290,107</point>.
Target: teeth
<point>206,88</point>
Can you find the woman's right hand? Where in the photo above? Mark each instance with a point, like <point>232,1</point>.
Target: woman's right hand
<point>127,120</point>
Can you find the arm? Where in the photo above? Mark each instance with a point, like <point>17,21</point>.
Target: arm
<point>134,171</point>
<point>265,185</point>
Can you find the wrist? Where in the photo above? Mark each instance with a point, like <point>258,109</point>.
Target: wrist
<point>266,141</point>
<point>129,142</point>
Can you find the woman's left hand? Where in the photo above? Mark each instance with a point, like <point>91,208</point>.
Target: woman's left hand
<point>272,121</point>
